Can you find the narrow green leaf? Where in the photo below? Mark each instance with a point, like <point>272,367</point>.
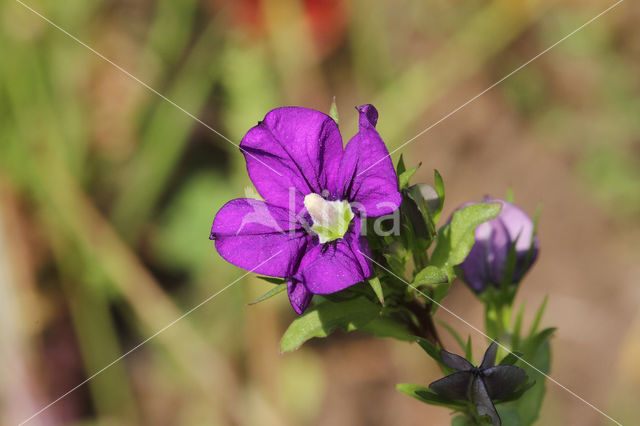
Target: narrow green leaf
<point>517,326</point>
<point>468,351</point>
<point>454,333</point>
<point>426,395</point>
<point>333,111</point>
<point>324,318</point>
<point>528,405</point>
<point>376,286</point>
<point>538,317</point>
<point>510,267</point>
<point>275,290</point>
<point>533,344</point>
<point>440,291</point>
<point>272,280</point>
<point>432,350</point>
<point>438,185</point>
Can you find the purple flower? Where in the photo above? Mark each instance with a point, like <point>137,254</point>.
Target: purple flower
<point>316,195</point>
<point>486,263</point>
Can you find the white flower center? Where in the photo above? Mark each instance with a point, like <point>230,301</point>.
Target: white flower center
<point>331,219</point>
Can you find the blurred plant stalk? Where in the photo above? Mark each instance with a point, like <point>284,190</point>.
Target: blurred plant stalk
<point>39,158</point>
<point>19,392</point>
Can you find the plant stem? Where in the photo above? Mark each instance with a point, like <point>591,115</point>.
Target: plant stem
<point>426,327</point>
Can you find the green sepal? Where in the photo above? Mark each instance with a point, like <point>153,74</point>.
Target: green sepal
<point>333,111</point>
<point>376,286</point>
<point>275,290</point>
<point>438,185</point>
<point>400,167</point>
<point>405,176</point>
<point>426,395</point>
<point>272,280</point>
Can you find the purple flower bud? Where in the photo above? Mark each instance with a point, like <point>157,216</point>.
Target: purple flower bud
<point>487,262</point>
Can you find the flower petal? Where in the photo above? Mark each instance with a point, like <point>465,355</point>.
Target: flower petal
<point>454,361</point>
<point>489,359</point>
<point>502,380</point>
<point>519,228</point>
<point>299,296</point>
<point>366,172</point>
<point>480,398</point>
<point>331,267</point>
<point>484,265</point>
<point>293,148</point>
<point>259,237</point>
<point>454,386</point>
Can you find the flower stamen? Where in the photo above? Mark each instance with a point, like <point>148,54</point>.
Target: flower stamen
<point>331,219</point>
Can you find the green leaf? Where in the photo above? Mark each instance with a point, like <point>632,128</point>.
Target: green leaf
<point>517,326</point>
<point>533,344</point>
<point>438,185</point>
<point>272,280</point>
<point>463,420</point>
<point>426,395</point>
<point>456,239</point>
<point>377,288</point>
<point>429,276</point>
<point>275,290</point>
<point>508,415</point>
<point>322,319</point>
<point>396,256</point>
<point>537,353</point>
<point>468,351</point>
<point>511,358</point>
<point>538,317</point>
<point>432,350</point>
<point>386,327</point>
<point>438,283</point>
<point>333,111</point>
<point>518,392</point>
<point>405,177</point>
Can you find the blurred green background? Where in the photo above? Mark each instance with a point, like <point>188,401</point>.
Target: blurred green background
<point>107,194</point>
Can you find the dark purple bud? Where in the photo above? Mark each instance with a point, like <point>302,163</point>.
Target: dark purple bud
<point>488,261</point>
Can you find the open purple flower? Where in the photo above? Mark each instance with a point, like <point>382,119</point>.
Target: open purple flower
<point>486,263</point>
<point>316,195</point>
